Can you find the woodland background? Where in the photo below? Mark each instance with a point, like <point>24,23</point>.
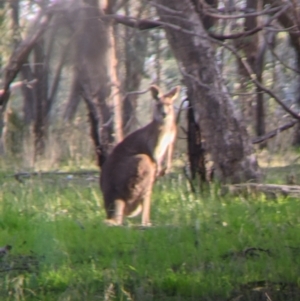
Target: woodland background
<point>76,70</point>
<point>74,81</point>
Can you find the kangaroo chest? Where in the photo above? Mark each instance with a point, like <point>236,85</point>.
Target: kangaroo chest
<point>163,141</point>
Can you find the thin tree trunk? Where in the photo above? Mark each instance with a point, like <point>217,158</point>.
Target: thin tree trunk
<point>157,58</point>
<point>260,112</point>
<point>291,22</point>
<point>293,27</point>
<point>115,93</point>
<point>260,104</point>
<point>135,54</point>
<point>40,73</point>
<point>196,152</point>
<point>115,96</point>
<point>136,50</point>
<point>226,137</point>
<point>254,49</point>
<point>74,98</point>
<point>29,96</point>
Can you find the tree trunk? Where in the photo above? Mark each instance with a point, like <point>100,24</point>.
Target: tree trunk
<point>40,73</point>
<point>115,94</point>
<point>255,51</point>
<point>136,50</point>
<point>291,22</point>
<point>20,56</point>
<point>74,98</point>
<point>196,152</point>
<point>253,48</point>
<point>29,96</point>
<point>135,54</point>
<point>200,6</point>
<point>93,61</point>
<point>226,137</point>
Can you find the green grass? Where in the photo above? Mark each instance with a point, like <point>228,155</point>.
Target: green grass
<point>63,251</point>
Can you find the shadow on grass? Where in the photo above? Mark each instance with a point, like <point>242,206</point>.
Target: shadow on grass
<point>266,291</point>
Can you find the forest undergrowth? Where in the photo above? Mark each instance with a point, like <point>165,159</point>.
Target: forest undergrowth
<point>204,246</point>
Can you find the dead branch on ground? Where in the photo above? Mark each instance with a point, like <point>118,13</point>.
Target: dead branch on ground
<point>270,190</point>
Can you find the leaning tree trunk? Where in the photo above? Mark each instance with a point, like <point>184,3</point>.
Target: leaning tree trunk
<point>29,96</point>
<point>45,89</point>
<point>19,57</point>
<point>226,137</point>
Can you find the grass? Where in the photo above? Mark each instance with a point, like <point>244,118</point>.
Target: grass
<point>199,247</point>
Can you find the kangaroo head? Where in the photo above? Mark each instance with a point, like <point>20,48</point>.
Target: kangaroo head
<point>164,109</point>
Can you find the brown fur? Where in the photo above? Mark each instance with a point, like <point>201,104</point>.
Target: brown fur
<point>129,173</point>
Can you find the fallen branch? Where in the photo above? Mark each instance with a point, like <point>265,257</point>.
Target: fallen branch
<point>20,175</point>
<point>270,190</point>
<point>47,173</point>
<point>14,269</point>
<point>246,253</point>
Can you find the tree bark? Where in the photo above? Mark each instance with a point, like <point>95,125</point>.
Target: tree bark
<point>226,137</point>
<point>29,95</point>
<point>135,54</point>
<point>45,91</point>
<point>74,98</point>
<point>200,6</point>
<point>255,51</point>
<point>115,94</point>
<point>93,60</point>
<point>253,48</point>
<point>18,58</point>
<point>136,50</point>
<point>41,89</point>
<point>196,152</point>
<point>291,22</point>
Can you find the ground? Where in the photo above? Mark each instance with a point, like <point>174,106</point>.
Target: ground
<point>204,246</point>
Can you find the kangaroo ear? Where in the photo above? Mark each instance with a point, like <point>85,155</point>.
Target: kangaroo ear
<point>173,93</point>
<point>155,91</point>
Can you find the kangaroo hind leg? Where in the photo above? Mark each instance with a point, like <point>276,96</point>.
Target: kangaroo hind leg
<point>146,204</point>
<point>118,214</point>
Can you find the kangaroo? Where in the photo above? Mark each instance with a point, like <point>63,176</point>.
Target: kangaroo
<point>128,174</point>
